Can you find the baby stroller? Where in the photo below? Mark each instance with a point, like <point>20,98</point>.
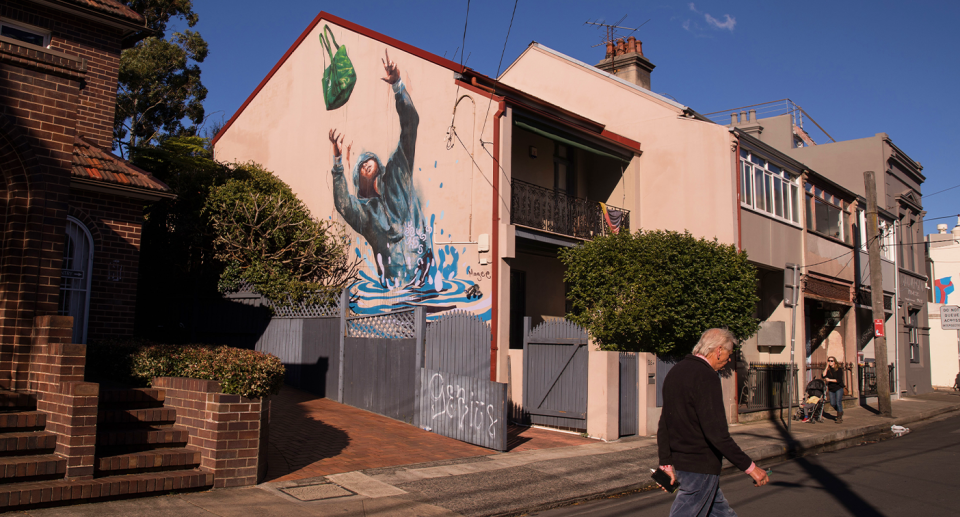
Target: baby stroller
<point>812,411</point>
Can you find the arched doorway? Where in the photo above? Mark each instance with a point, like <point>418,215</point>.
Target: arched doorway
<point>75,277</point>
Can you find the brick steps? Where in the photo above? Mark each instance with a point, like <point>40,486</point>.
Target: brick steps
<point>60,492</point>
<point>22,420</point>
<point>136,398</point>
<point>151,460</point>
<point>149,436</point>
<point>17,401</point>
<point>119,417</point>
<point>27,442</point>
<point>21,468</point>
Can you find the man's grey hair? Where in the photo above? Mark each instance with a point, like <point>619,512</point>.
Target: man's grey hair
<point>713,338</point>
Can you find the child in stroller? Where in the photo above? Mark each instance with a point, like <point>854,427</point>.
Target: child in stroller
<point>812,409</point>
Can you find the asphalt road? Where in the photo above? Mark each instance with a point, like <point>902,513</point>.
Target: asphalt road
<point>916,474</point>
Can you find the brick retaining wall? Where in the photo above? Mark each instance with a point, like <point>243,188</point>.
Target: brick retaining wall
<point>230,431</point>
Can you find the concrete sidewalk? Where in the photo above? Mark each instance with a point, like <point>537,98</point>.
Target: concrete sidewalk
<point>503,484</point>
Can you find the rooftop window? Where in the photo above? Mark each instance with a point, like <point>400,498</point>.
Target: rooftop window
<point>765,187</point>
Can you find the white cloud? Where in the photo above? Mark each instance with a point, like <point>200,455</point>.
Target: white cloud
<point>728,21</point>
<point>693,8</point>
<point>686,25</point>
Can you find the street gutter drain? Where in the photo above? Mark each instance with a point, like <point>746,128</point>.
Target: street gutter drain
<point>317,492</point>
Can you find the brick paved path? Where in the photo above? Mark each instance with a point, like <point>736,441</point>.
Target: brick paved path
<point>312,436</point>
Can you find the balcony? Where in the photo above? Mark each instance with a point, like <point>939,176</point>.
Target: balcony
<point>554,211</point>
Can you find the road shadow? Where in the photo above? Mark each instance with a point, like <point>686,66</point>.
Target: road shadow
<point>832,484</point>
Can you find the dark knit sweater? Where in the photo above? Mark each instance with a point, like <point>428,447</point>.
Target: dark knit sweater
<point>693,434</point>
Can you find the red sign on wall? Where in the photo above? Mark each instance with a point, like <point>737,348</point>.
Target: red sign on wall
<point>878,328</point>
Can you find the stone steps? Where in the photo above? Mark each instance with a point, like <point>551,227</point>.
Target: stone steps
<point>150,460</point>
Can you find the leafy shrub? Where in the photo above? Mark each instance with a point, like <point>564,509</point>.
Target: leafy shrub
<point>240,372</point>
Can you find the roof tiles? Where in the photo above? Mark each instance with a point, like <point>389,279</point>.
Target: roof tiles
<point>110,6</point>
<point>89,161</point>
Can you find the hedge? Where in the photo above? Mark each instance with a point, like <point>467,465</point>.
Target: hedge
<point>240,372</point>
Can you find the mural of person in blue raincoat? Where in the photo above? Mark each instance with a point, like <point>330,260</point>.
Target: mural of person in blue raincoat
<point>386,209</point>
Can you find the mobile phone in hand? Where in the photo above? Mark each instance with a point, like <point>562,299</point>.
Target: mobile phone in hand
<point>663,479</point>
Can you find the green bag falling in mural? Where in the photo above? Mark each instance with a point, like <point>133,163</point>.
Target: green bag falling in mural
<point>339,78</point>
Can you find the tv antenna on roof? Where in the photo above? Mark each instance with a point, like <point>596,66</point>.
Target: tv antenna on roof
<point>612,32</point>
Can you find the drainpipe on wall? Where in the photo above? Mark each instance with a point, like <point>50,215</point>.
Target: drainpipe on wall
<point>739,174</point>
<point>495,245</point>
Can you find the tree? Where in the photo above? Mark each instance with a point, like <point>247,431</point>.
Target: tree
<point>657,291</point>
<point>159,78</point>
<point>266,236</point>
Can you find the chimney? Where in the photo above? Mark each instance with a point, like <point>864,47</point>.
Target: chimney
<point>625,60</point>
<point>942,229</point>
<point>956,231</point>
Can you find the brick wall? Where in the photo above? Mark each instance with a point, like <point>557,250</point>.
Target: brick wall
<point>226,429</point>
<point>115,224</point>
<point>98,44</point>
<point>56,378</point>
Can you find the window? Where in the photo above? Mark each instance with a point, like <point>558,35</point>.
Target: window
<point>825,213</point>
<point>913,336</point>
<point>887,243</point>
<point>31,35</point>
<point>768,188</point>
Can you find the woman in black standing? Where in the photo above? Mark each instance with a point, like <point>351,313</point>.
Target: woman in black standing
<point>833,376</point>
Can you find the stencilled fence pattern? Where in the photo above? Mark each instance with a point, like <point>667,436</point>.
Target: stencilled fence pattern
<point>555,374</point>
<point>458,343</point>
<point>464,408</point>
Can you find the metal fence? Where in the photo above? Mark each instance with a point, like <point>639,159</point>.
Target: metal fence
<point>464,408</point>
<point>629,393</point>
<point>849,381</point>
<point>765,386</point>
<point>555,211</point>
<point>868,380</point>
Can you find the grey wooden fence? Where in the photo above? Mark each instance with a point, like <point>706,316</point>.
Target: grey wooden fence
<point>465,408</point>
<point>306,340</point>
<point>458,343</point>
<point>380,367</point>
<point>629,394</point>
<point>555,374</point>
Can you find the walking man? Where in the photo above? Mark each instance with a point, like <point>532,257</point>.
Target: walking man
<point>693,437</point>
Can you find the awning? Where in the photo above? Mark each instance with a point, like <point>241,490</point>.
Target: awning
<point>557,136</point>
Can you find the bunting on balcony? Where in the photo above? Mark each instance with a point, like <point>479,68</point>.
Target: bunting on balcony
<point>614,218</point>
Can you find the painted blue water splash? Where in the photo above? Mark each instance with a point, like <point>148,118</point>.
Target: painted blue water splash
<point>441,231</point>
<point>465,252</point>
<point>441,214</point>
<point>468,267</point>
<point>357,251</point>
<point>441,184</point>
<point>434,164</point>
<point>427,205</point>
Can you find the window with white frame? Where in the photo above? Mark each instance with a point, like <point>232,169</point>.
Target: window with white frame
<point>825,213</point>
<point>887,244</point>
<point>768,188</point>
<point>24,33</point>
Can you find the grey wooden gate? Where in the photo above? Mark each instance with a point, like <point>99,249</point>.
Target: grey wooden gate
<point>664,365</point>
<point>555,374</point>
<point>458,343</point>
<point>465,408</point>
<point>381,361</point>
<point>629,404</point>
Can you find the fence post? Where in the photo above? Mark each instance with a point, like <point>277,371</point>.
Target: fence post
<point>420,333</point>
<point>344,310</point>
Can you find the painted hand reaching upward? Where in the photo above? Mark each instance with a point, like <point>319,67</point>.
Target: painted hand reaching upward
<point>337,141</point>
<point>390,68</point>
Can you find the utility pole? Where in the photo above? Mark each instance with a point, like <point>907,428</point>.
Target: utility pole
<point>876,292</point>
<point>791,297</point>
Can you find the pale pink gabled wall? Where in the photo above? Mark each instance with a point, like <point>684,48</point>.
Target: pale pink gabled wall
<point>285,128</point>
<point>684,179</point>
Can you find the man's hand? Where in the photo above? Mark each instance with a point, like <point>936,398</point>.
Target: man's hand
<point>390,68</point>
<point>759,476</point>
<point>337,141</point>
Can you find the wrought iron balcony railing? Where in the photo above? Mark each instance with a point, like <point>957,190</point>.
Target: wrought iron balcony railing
<point>554,211</point>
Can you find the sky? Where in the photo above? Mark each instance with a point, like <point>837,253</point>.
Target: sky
<point>857,67</point>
